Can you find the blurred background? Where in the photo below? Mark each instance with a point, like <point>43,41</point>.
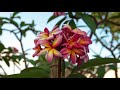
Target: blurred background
<point>18,31</point>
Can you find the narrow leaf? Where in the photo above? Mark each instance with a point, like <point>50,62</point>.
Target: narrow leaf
<point>51,18</point>
<point>96,62</point>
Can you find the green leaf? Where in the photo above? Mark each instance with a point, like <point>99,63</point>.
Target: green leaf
<point>1,47</point>
<point>22,24</point>
<point>32,72</point>
<point>6,61</point>
<point>32,62</point>
<point>101,71</point>
<point>72,24</point>
<point>78,75</point>
<point>112,67</point>
<point>18,17</point>
<point>95,62</point>
<point>14,14</point>
<point>89,21</point>
<point>70,14</point>
<point>14,22</point>
<point>59,22</point>
<point>51,18</point>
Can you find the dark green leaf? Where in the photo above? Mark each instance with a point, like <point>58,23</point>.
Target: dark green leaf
<point>96,62</point>
<point>70,14</point>
<point>101,71</point>
<point>18,17</point>
<point>1,47</point>
<point>72,24</point>
<point>22,24</point>
<point>32,62</point>
<point>113,67</point>
<point>51,18</point>
<point>14,22</point>
<point>66,22</point>
<point>6,61</point>
<point>97,56</point>
<point>89,21</point>
<point>14,14</point>
<point>77,76</point>
<point>59,22</point>
<point>32,72</point>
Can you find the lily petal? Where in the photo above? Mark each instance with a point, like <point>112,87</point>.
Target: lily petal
<point>57,41</point>
<point>78,31</point>
<point>43,51</point>
<point>73,57</point>
<point>65,51</point>
<point>66,26</point>
<point>86,58</point>
<point>36,52</point>
<point>78,51</point>
<point>46,30</point>
<point>57,53</point>
<point>66,55</point>
<point>50,55</point>
<point>85,41</point>
<point>45,43</point>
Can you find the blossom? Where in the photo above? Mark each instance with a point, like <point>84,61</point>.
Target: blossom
<point>14,50</point>
<point>72,53</point>
<point>46,35</point>
<point>58,13</point>
<point>37,48</point>
<point>63,43</point>
<point>76,44</point>
<point>50,48</point>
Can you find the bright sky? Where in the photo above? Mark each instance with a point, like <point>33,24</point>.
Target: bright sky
<point>40,19</point>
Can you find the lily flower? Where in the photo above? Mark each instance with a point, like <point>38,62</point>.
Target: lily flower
<point>46,35</point>
<point>50,48</point>
<point>72,53</point>
<point>37,48</point>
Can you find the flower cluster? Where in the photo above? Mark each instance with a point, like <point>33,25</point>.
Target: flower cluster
<point>63,43</point>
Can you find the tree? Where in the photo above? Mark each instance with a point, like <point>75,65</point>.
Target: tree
<point>98,22</point>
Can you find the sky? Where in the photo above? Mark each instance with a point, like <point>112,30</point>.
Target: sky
<point>40,19</point>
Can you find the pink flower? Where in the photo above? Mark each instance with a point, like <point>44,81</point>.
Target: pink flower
<point>58,13</point>
<point>14,50</point>
<point>46,35</point>
<point>50,48</point>
<point>65,43</point>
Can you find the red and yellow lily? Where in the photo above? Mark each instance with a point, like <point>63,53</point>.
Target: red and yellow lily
<point>50,48</point>
<point>46,35</point>
<point>64,43</point>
